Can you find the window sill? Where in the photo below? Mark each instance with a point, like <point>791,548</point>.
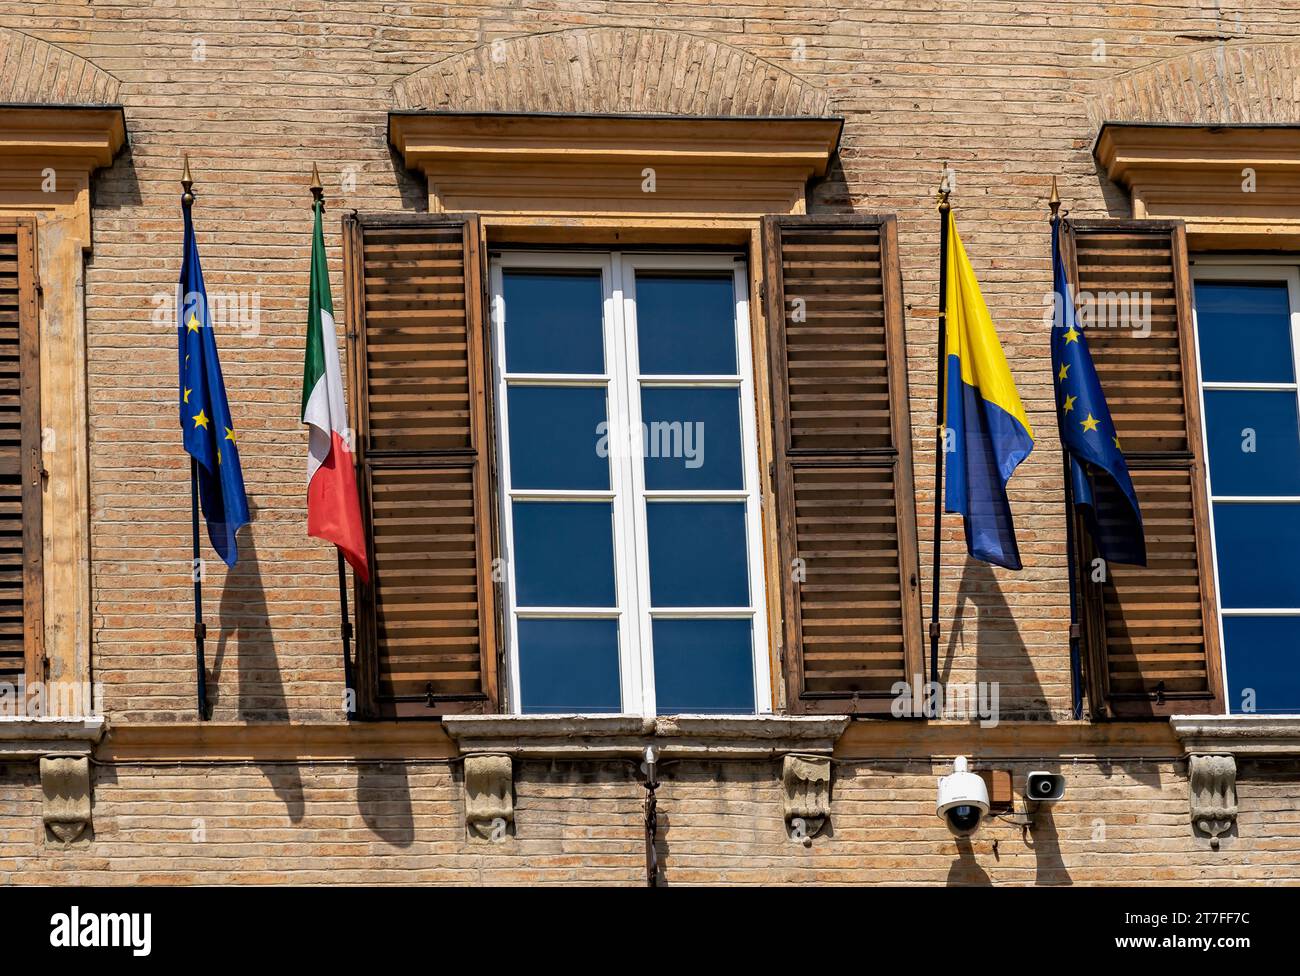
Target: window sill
<point>1238,735</point>
<point>626,736</point>
<point>32,738</point>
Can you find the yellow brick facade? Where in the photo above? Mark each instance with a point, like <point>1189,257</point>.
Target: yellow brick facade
<point>1008,94</point>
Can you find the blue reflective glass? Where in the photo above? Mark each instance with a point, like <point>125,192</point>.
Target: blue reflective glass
<point>697,554</point>
<point>1272,466</point>
<point>555,437</point>
<point>564,554</point>
<point>1259,554</point>
<point>686,324</point>
<point>553,322</point>
<point>1263,656</point>
<point>703,666</point>
<point>692,437</point>
<point>568,666</point>
<point>1245,331</point>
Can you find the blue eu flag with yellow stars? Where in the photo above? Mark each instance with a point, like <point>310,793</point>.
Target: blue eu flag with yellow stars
<point>209,432</point>
<point>1103,491</point>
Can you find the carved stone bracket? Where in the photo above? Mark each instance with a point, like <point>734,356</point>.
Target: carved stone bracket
<point>1213,794</point>
<point>806,791</point>
<point>489,797</point>
<point>65,787</point>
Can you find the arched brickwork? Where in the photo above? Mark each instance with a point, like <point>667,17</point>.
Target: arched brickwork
<point>1217,85</point>
<point>610,70</point>
<point>33,71</point>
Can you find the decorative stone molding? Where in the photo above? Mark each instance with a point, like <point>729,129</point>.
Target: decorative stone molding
<point>32,738</point>
<point>1238,735</point>
<point>32,70</point>
<point>48,155</point>
<point>610,70</point>
<point>626,736</point>
<point>1234,185</point>
<point>1213,795</point>
<point>489,796</point>
<point>65,787</point>
<point>806,792</point>
<point>630,166</point>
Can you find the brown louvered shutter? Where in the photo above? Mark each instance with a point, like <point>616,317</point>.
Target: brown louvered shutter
<point>22,628</point>
<point>846,510</point>
<point>1150,634</point>
<point>417,361</point>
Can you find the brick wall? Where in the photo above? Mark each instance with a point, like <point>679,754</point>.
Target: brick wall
<point>255,92</point>
<point>719,822</point>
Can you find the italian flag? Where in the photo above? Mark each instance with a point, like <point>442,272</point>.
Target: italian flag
<point>333,511</point>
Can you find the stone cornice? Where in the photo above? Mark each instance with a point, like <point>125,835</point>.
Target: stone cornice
<point>1233,185</point>
<point>613,736</point>
<point>1238,735</point>
<point>629,165</point>
<point>31,738</point>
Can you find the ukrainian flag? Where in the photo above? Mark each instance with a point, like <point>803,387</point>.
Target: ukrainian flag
<point>986,432</point>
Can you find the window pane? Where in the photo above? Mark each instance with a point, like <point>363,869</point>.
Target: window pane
<point>555,433</point>
<point>1263,654</point>
<point>1259,554</point>
<point>1245,331</point>
<point>564,554</point>
<point>553,322</point>
<point>686,324</point>
<point>697,554</point>
<point>692,437</point>
<point>568,666</point>
<point>703,666</point>
<point>1254,440</point>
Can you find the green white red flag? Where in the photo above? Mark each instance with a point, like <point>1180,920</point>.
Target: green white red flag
<point>333,510</point>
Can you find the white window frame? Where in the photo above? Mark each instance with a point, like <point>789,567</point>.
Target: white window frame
<point>622,381</point>
<point>1242,268</point>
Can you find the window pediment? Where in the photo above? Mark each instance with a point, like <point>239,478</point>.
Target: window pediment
<point>493,163</point>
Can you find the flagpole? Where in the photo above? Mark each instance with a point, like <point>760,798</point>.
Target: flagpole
<point>1076,664</point>
<point>945,215</point>
<point>200,629</point>
<point>345,623</point>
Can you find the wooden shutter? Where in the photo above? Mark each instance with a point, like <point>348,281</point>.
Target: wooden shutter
<point>22,627</point>
<point>1151,634</point>
<point>421,412</point>
<point>846,509</point>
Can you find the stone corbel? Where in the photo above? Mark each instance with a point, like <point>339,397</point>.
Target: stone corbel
<point>806,792</point>
<point>65,788</point>
<point>1213,795</point>
<point>489,798</point>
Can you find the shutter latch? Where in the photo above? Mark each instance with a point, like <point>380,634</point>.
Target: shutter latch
<point>1159,693</point>
<point>428,695</point>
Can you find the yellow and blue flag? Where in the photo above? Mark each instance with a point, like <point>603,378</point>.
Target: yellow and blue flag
<point>1099,479</point>
<point>987,434</point>
<point>208,431</point>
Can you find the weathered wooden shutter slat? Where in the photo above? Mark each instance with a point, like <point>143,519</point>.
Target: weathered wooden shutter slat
<point>1151,633</point>
<point>22,628</point>
<point>842,462</point>
<point>417,360</point>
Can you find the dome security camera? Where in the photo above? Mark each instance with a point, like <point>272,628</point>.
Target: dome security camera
<point>963,799</point>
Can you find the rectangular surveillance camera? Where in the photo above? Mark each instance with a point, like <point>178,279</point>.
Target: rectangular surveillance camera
<point>1043,787</point>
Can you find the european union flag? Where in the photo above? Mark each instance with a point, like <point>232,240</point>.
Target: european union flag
<point>1099,478</point>
<point>204,412</point>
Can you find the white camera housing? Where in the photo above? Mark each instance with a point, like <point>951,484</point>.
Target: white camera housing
<point>963,799</point>
<point>1044,787</point>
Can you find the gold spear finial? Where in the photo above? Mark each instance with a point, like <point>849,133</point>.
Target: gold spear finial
<point>317,191</point>
<point>945,188</point>
<point>187,182</point>
<point>1054,201</point>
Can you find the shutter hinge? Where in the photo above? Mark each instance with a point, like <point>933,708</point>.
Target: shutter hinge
<point>428,695</point>
<point>762,300</point>
<point>1076,631</point>
<point>45,670</point>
